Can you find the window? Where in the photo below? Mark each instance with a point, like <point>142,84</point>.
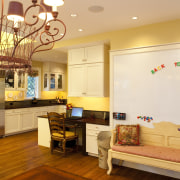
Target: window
<point>33,85</point>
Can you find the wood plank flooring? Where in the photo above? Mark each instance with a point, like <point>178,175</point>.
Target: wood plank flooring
<point>20,153</point>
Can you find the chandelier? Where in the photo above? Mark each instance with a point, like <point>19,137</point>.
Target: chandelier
<point>23,33</point>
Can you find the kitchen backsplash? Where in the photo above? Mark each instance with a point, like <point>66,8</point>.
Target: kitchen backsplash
<point>20,95</point>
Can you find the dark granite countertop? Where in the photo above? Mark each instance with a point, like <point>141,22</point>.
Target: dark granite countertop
<point>31,103</point>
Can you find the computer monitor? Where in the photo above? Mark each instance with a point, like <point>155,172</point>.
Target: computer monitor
<point>77,112</point>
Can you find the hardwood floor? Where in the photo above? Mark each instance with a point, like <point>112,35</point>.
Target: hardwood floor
<point>20,153</point>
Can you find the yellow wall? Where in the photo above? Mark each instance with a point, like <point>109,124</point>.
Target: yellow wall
<point>149,35</point>
<point>53,94</point>
<point>153,34</point>
<point>90,103</point>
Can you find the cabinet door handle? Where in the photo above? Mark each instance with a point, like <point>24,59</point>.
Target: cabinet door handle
<point>84,59</point>
<point>83,93</point>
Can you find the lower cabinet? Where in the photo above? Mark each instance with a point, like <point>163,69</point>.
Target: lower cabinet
<point>12,121</point>
<point>26,119</point>
<point>92,132</point>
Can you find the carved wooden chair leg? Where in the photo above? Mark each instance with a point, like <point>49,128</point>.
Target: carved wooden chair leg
<point>64,147</point>
<point>109,161</point>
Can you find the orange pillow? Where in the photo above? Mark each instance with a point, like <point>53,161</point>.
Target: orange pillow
<point>127,134</point>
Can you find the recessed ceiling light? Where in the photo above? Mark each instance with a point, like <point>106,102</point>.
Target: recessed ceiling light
<point>80,30</point>
<point>96,9</point>
<point>135,17</point>
<point>73,15</point>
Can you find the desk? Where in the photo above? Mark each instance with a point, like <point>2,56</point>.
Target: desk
<point>44,132</point>
<point>44,136</point>
<point>82,125</point>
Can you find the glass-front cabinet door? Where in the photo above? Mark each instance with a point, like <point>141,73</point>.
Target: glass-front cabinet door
<point>59,81</point>
<point>15,81</point>
<point>21,80</point>
<point>10,80</point>
<point>52,81</point>
<point>45,80</point>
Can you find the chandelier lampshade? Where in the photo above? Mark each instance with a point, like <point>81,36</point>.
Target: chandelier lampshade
<point>23,33</point>
<point>42,14</point>
<point>54,2</point>
<point>15,11</point>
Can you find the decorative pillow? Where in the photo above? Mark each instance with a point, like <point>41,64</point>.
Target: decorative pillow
<point>127,134</point>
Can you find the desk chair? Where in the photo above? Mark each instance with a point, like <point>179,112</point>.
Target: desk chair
<point>59,134</point>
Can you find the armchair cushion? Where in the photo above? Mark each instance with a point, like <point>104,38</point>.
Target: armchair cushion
<point>127,134</point>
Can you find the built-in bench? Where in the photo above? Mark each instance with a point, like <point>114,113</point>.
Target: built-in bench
<point>160,148</point>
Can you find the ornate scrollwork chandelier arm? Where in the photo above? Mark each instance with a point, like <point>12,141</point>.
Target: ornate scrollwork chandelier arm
<point>19,39</point>
<point>35,50</point>
<point>50,35</point>
<point>31,24</point>
<point>56,31</point>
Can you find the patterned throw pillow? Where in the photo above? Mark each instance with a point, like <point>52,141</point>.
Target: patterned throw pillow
<point>127,134</point>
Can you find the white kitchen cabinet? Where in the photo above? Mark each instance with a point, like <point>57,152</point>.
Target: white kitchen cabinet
<point>12,121</point>
<point>53,81</point>
<point>16,82</point>
<point>92,132</point>
<point>21,81</point>
<point>54,76</point>
<point>88,72</point>
<point>94,80</point>
<point>76,56</point>
<point>25,119</point>
<point>87,80</point>
<point>76,80</point>
<point>91,54</point>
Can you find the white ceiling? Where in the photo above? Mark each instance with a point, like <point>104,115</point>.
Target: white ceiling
<point>117,15</point>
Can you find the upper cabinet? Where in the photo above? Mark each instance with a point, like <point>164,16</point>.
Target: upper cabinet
<point>54,76</point>
<point>88,75</point>
<point>86,80</point>
<point>85,55</point>
<point>53,81</point>
<point>21,81</point>
<point>15,81</point>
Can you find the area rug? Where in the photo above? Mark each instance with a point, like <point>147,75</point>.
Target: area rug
<point>47,173</point>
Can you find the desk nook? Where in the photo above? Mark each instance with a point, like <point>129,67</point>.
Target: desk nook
<point>99,119</point>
